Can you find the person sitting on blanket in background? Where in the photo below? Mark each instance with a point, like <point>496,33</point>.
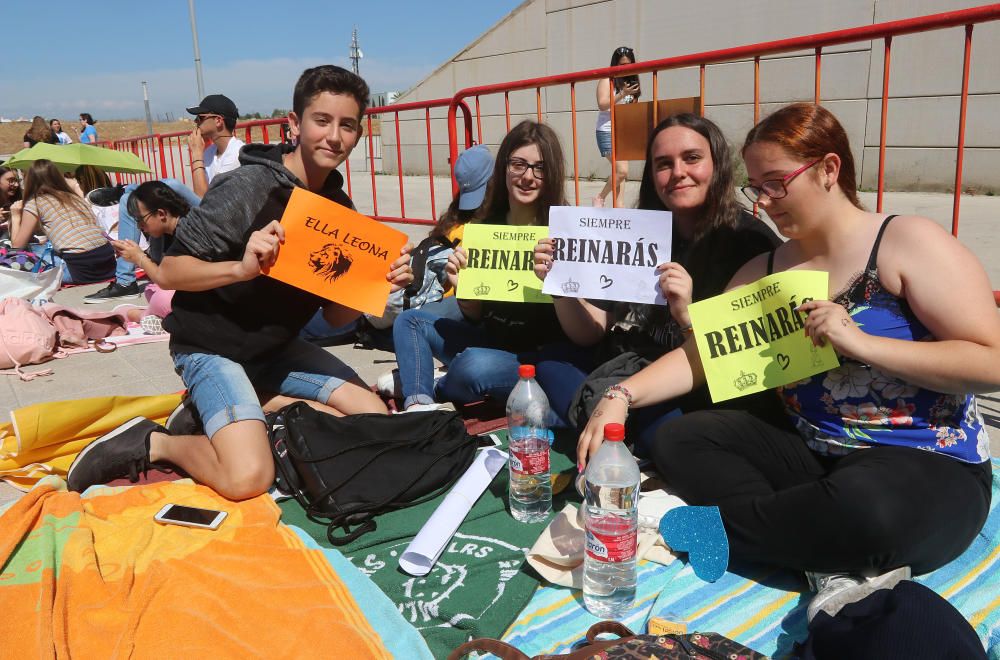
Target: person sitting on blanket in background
<point>231,329</point>
<point>473,170</point>
<point>10,192</point>
<point>689,172</point>
<point>484,348</point>
<point>157,209</point>
<point>66,218</point>
<point>880,465</point>
<point>124,285</point>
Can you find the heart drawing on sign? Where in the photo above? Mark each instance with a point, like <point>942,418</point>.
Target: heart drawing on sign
<point>606,281</point>
<point>783,361</point>
<point>512,285</point>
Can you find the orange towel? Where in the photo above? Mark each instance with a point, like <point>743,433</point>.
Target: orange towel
<point>97,577</point>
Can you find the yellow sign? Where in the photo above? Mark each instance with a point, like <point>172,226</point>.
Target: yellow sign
<point>501,264</point>
<point>752,339</point>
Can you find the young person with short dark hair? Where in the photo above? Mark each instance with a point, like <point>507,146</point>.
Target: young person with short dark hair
<point>234,331</point>
<point>215,120</point>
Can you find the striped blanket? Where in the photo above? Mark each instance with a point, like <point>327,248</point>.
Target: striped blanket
<point>763,609</point>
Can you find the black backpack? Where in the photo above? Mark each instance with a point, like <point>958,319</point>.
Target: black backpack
<point>347,470</point>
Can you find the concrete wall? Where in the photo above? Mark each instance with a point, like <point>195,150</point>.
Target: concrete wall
<point>547,37</point>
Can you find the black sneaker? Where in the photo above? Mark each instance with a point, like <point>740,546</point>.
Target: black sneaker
<point>106,196</point>
<point>184,420</point>
<point>113,291</point>
<point>119,453</point>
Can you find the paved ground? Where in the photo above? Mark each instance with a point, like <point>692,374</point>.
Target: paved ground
<point>147,369</point>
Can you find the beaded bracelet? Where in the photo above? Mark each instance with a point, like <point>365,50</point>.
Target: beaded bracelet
<point>619,392</point>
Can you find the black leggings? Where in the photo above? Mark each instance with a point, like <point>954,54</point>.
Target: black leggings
<point>783,505</point>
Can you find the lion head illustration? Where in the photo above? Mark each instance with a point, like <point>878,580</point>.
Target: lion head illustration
<point>330,262</point>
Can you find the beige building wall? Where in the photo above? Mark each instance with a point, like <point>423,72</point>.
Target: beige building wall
<point>548,37</point>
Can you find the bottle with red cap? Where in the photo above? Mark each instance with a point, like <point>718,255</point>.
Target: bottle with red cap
<point>611,516</point>
<point>527,424</point>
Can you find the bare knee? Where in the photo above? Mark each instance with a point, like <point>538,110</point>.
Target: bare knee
<point>621,171</point>
<point>355,397</point>
<point>246,481</point>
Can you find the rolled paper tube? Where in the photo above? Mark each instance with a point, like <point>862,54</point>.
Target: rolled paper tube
<point>425,548</point>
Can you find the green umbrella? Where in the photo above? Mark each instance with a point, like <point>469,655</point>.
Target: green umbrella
<point>67,157</point>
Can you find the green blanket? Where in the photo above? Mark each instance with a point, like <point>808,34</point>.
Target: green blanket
<point>481,581</point>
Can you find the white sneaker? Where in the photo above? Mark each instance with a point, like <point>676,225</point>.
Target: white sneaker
<point>424,407</point>
<point>835,590</point>
<point>389,385</point>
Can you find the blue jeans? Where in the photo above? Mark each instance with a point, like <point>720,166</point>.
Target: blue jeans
<point>128,228</point>
<point>477,368</point>
<point>412,344</point>
<point>223,391</point>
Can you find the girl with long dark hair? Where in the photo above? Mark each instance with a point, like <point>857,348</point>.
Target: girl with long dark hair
<point>689,172</point>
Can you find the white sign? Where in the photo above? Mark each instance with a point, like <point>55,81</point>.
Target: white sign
<point>608,254</point>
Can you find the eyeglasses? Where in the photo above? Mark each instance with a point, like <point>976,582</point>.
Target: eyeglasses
<point>518,167</point>
<point>142,219</point>
<point>775,188</point>
<point>200,118</point>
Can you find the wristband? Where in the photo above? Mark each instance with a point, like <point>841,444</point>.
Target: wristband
<point>619,392</point>
<point>688,329</point>
<point>195,169</point>
<point>197,160</point>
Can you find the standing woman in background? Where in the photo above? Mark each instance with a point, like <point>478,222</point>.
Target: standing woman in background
<point>39,132</point>
<point>626,91</point>
<point>88,134</point>
<point>61,136</point>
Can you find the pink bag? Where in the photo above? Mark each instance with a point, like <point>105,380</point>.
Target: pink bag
<point>77,328</point>
<point>26,337</point>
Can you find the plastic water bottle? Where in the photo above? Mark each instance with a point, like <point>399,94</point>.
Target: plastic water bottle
<point>527,416</point>
<point>611,513</point>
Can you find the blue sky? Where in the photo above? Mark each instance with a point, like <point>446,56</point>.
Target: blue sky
<point>63,58</point>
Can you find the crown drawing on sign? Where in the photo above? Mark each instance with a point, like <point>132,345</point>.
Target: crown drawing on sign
<point>482,289</point>
<point>745,380</point>
<point>569,286</point>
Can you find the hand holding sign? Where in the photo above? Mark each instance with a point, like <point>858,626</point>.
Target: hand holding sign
<point>456,262</point>
<point>543,258</point>
<point>828,322</point>
<point>402,272</point>
<point>262,249</point>
<point>677,288</point>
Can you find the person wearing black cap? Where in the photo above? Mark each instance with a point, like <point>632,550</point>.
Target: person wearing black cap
<point>215,121</point>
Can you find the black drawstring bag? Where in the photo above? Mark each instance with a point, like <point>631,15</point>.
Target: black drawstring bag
<point>347,470</point>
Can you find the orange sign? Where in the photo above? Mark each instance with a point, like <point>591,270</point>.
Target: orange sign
<point>336,253</point>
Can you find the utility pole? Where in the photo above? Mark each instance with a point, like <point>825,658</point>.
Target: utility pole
<point>149,117</point>
<point>197,51</point>
<point>356,53</point>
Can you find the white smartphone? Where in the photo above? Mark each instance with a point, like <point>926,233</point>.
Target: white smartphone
<point>189,516</point>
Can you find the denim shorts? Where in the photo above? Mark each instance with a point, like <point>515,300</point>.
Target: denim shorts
<point>604,142</point>
<point>223,391</point>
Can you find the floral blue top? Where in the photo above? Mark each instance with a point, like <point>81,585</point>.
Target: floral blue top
<point>856,405</point>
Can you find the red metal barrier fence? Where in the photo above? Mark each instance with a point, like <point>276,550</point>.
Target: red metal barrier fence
<point>167,154</point>
<point>816,43</point>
